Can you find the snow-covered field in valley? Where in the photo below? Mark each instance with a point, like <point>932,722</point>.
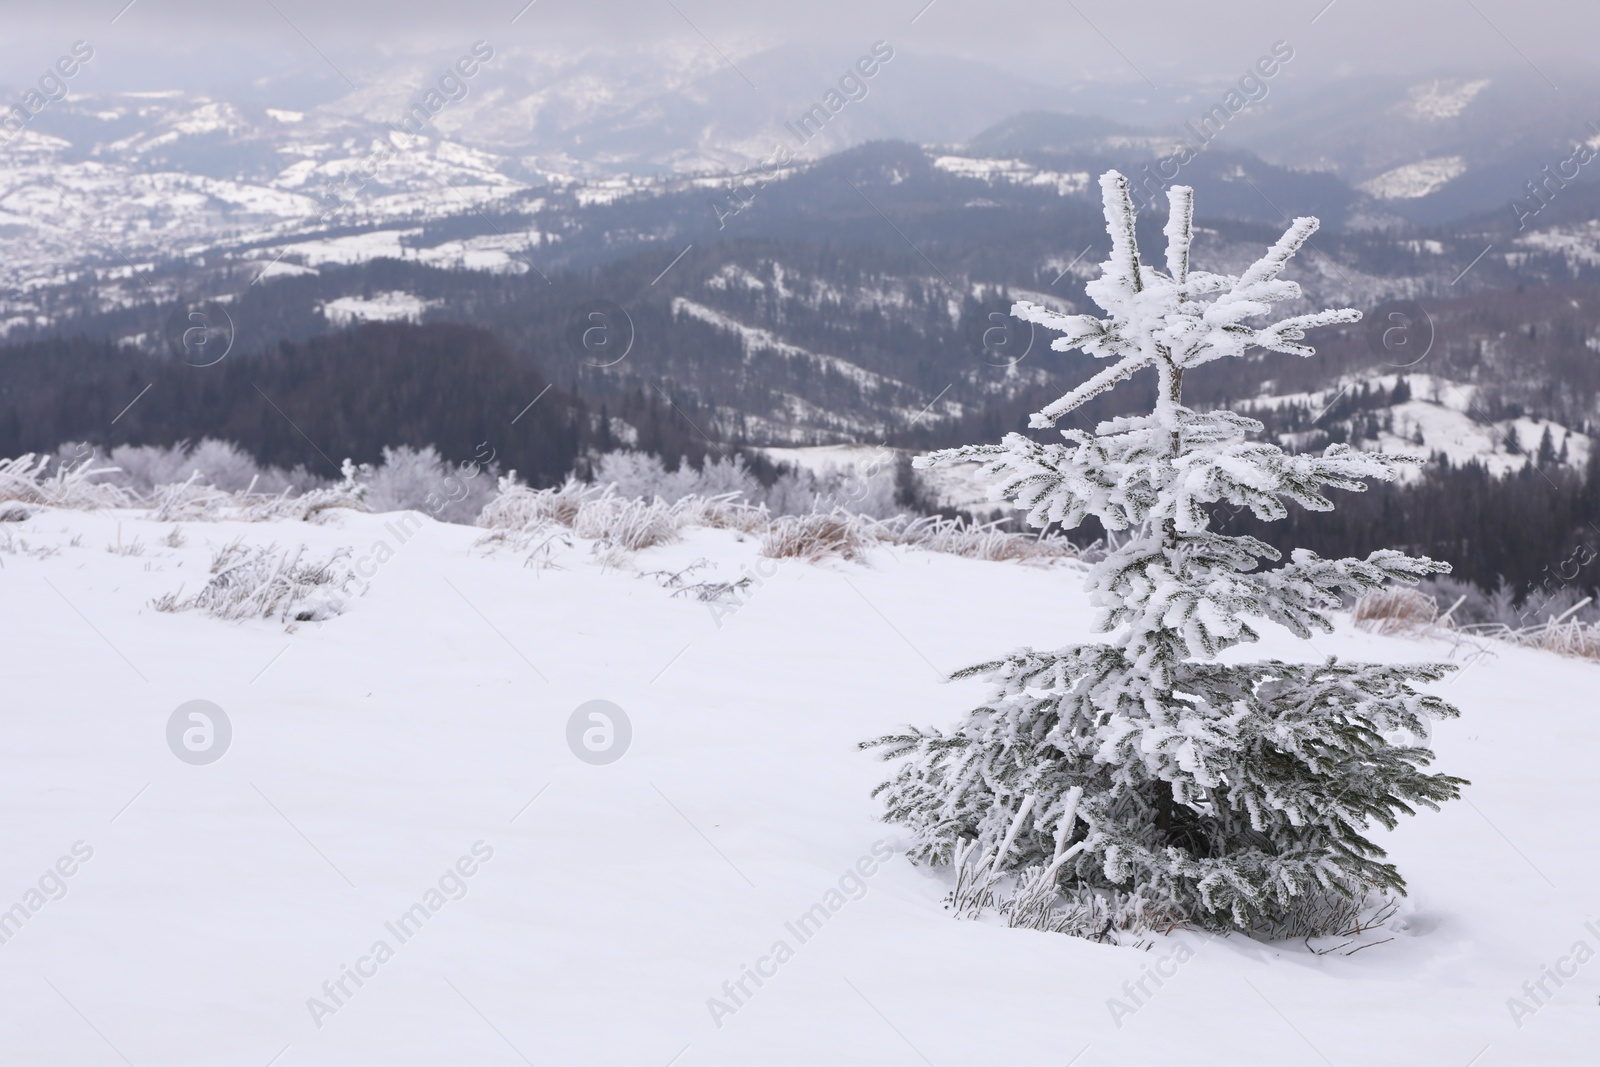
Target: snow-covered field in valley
<point>401,774</point>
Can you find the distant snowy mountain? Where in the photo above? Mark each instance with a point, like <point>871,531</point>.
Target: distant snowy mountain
<point>852,289</point>
<point>133,179</point>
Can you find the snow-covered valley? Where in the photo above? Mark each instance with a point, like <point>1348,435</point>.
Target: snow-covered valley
<point>380,755</point>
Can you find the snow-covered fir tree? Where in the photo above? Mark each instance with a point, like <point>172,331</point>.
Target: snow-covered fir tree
<point>1143,779</point>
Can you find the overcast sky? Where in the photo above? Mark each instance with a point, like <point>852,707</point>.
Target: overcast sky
<point>1057,41</point>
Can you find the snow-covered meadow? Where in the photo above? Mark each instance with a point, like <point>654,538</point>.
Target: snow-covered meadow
<point>720,893</point>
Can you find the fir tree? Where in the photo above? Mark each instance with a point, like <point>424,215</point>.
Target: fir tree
<point>1547,449</point>
<point>1141,775</point>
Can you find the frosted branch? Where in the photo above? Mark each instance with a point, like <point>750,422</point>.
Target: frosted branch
<point>1180,232</point>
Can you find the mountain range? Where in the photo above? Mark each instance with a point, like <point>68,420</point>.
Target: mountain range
<point>856,288</point>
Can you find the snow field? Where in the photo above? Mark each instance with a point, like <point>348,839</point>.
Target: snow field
<point>372,752</point>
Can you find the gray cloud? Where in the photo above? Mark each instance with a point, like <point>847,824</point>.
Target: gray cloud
<point>1150,64</point>
<point>1051,40</point>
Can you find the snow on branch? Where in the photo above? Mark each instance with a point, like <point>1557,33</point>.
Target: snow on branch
<point>1174,318</point>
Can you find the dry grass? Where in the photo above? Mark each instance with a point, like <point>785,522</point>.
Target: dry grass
<point>957,537</point>
<point>350,492</point>
<point>842,534</point>
<point>617,523</point>
<point>264,582</point>
<point>630,525</point>
<point>1565,637</point>
<point>818,536</point>
<point>1411,612</point>
<point>519,515</point>
<point>1396,611</point>
<point>36,479</point>
<point>45,480</point>
<point>724,513</point>
<point>190,500</point>
<point>517,507</point>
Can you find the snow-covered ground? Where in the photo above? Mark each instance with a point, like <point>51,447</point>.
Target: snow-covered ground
<point>394,306</point>
<point>1451,421</point>
<point>424,732</point>
<point>1014,171</point>
<point>1414,180</point>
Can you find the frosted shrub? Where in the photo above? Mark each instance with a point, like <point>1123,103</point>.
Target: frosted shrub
<point>864,490</point>
<point>219,464</point>
<point>144,467</point>
<point>793,493</point>
<point>230,468</point>
<point>721,477</point>
<point>212,463</point>
<point>421,480</point>
<point>265,582</point>
<point>1143,769</point>
<point>635,475</point>
<point>641,476</point>
<point>211,480</point>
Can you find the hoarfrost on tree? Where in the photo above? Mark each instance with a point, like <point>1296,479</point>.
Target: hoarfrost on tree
<point>1141,781</point>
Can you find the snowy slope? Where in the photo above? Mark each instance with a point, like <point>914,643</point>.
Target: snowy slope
<point>1414,180</point>
<point>1449,417</point>
<point>372,752</point>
